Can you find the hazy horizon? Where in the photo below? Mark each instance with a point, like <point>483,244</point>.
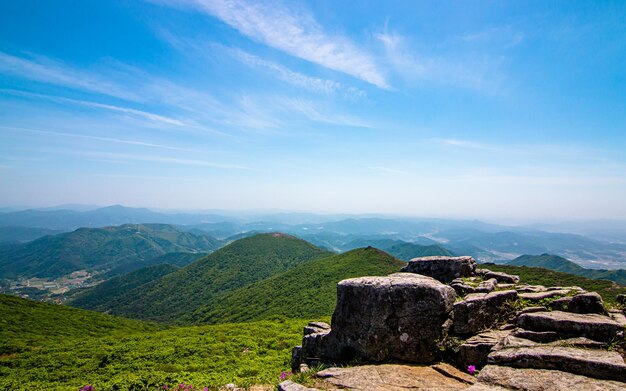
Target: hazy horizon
<point>500,112</point>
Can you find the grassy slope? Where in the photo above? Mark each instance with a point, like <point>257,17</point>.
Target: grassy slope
<point>554,262</point>
<point>26,323</point>
<point>243,262</point>
<point>98,297</point>
<point>306,291</point>
<point>534,275</point>
<point>48,347</point>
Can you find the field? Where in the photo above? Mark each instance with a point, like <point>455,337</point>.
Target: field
<point>117,354</point>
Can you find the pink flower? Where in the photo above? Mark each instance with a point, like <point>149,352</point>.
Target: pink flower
<point>471,369</point>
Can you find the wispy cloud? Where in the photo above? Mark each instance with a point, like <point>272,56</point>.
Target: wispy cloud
<point>296,78</point>
<point>312,112</point>
<point>295,32</point>
<point>43,69</point>
<point>475,72</point>
<point>91,137</point>
<point>448,142</point>
<point>126,110</point>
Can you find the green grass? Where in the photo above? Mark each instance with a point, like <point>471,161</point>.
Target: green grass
<point>539,276</point>
<point>50,347</point>
<point>306,291</point>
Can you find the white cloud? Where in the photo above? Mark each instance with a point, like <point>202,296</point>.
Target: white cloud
<point>474,72</point>
<point>293,31</point>
<point>296,78</point>
<point>96,138</point>
<point>45,70</point>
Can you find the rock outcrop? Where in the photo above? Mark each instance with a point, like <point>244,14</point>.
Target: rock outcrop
<point>527,337</point>
<point>479,311</point>
<point>398,317</point>
<point>443,269</point>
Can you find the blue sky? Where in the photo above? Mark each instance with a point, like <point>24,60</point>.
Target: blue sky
<point>495,110</point>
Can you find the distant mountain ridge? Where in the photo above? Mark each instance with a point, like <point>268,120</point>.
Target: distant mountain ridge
<point>557,263</point>
<point>127,247</point>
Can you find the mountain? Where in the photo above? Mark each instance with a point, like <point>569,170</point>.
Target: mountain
<point>305,291</point>
<point>175,258</point>
<point>24,234</point>
<point>98,297</point>
<point>554,262</point>
<point>245,261</point>
<point>67,219</point>
<point>99,249</point>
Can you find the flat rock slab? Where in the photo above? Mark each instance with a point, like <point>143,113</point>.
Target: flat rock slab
<point>476,349</point>
<point>539,380</point>
<point>593,326</point>
<point>598,364</point>
<point>288,385</point>
<point>538,296</point>
<point>392,377</point>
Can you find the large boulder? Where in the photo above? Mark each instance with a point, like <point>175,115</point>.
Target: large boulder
<point>582,303</point>
<point>398,317</point>
<point>444,269</point>
<point>480,311</point>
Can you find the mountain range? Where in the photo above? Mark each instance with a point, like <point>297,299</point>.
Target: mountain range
<point>115,250</point>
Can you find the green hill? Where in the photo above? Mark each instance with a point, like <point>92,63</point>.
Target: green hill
<point>126,247</point>
<point>540,276</point>
<point>25,324</point>
<point>100,296</point>
<point>56,348</point>
<point>554,262</point>
<point>245,261</point>
<point>305,291</point>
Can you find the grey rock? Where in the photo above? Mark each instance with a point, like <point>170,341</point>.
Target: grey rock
<point>487,286</point>
<point>567,324</point>
<point>582,303</point>
<point>479,311</point>
<point>316,327</point>
<point>621,298</point>
<point>618,316</point>
<point>393,377</point>
<point>537,336</point>
<point>502,277</point>
<point>462,289</point>
<point>475,350</point>
<point>444,269</point>
<point>525,288</point>
<point>538,296</point>
<point>288,385</point>
<point>296,358</point>
<point>506,286</point>
<point>529,310</point>
<point>528,379</point>
<point>598,364</point>
<point>398,317</point>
